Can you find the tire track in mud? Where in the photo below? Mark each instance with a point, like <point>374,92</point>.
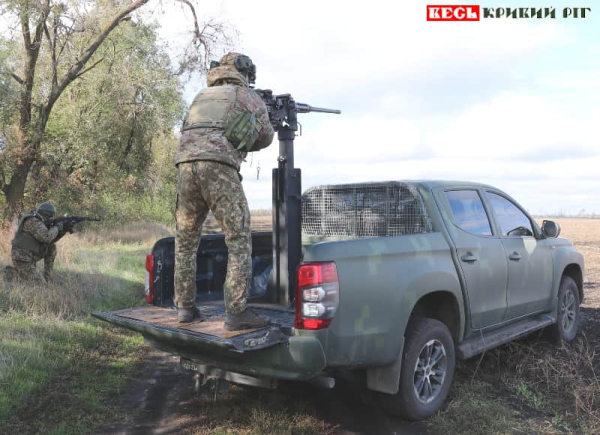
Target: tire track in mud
<point>160,399</point>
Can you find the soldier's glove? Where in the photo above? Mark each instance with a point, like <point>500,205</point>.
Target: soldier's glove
<point>69,227</point>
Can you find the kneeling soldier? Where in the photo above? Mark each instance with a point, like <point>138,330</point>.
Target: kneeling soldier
<point>35,240</point>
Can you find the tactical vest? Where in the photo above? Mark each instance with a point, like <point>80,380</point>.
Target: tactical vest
<point>26,241</point>
<point>214,107</point>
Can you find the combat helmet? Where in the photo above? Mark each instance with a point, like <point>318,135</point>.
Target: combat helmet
<point>240,62</point>
<point>46,210</point>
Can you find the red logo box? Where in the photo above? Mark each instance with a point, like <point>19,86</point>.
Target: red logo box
<point>453,13</point>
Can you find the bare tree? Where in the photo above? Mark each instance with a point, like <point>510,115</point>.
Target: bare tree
<point>51,26</point>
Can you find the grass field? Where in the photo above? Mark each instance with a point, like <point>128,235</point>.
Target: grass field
<point>59,369</point>
<point>57,366</point>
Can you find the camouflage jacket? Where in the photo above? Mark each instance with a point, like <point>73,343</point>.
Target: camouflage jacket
<point>210,143</point>
<point>34,237</point>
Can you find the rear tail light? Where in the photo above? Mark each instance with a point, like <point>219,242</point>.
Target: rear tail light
<point>149,289</point>
<point>317,295</point>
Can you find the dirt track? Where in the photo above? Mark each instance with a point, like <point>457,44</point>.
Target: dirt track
<point>161,399</point>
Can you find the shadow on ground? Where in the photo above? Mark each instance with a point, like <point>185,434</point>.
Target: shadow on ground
<point>161,400</point>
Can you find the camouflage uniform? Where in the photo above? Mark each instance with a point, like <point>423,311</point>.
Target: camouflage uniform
<point>24,260</point>
<point>208,179</point>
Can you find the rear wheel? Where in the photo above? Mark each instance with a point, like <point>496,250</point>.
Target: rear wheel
<point>567,321</point>
<point>427,371</point>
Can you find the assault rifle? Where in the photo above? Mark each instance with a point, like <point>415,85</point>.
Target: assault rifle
<point>70,221</point>
<point>279,106</point>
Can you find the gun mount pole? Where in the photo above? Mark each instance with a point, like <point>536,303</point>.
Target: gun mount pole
<point>287,195</point>
<point>287,191</point>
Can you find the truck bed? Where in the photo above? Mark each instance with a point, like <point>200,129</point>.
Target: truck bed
<point>160,323</point>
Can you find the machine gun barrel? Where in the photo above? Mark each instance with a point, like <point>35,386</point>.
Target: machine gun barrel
<point>305,108</point>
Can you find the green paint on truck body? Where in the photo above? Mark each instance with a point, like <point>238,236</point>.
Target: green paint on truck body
<point>383,280</point>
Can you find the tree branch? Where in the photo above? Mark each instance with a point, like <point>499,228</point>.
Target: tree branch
<point>52,43</point>
<point>25,30</point>
<point>67,33</point>
<point>87,69</point>
<point>197,33</point>
<point>32,50</point>
<point>75,69</point>
<point>39,29</point>
<point>17,78</point>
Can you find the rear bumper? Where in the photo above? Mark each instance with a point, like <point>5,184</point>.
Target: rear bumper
<point>301,358</point>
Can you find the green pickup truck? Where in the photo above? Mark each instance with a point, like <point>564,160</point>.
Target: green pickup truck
<point>396,280</point>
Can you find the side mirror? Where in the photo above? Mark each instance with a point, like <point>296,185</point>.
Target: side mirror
<point>550,229</point>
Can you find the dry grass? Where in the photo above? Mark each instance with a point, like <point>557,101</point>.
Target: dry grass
<point>95,269</point>
<point>260,221</point>
<point>566,381</point>
<point>5,239</point>
<point>141,233</point>
<point>57,367</point>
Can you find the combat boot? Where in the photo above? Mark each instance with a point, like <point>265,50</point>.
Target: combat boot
<point>187,315</point>
<point>247,319</point>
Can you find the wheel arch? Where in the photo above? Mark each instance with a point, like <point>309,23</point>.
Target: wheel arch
<point>441,305</point>
<point>574,271</point>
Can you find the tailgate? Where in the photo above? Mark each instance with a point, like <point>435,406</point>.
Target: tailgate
<point>160,325</point>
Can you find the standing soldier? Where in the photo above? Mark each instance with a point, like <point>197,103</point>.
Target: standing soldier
<point>35,240</point>
<point>224,122</point>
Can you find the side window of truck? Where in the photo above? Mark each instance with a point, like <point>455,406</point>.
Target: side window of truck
<point>468,211</point>
<point>513,222</point>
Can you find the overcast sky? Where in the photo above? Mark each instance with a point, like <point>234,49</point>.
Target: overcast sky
<point>512,103</point>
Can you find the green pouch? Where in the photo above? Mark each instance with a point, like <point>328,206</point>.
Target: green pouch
<point>243,131</point>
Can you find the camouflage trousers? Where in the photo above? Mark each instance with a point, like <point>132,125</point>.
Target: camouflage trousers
<point>24,263</point>
<point>204,186</point>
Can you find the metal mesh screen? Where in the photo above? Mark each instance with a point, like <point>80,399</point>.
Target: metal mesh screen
<point>364,210</point>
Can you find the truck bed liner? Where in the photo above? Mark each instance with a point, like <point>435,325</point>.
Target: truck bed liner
<point>214,319</point>
<point>161,323</point>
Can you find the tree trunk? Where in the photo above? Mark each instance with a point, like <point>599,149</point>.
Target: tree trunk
<point>15,192</point>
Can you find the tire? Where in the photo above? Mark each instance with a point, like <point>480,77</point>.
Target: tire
<point>421,392</point>
<point>567,310</point>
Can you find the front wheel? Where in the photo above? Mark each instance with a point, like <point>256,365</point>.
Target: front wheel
<point>567,319</point>
<point>427,371</point>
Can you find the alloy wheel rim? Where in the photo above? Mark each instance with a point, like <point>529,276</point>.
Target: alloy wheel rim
<point>568,309</point>
<point>430,371</point>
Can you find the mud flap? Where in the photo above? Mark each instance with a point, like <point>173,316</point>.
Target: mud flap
<point>386,379</point>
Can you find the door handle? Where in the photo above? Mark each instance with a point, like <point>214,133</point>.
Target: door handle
<point>515,256</point>
<point>468,257</point>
